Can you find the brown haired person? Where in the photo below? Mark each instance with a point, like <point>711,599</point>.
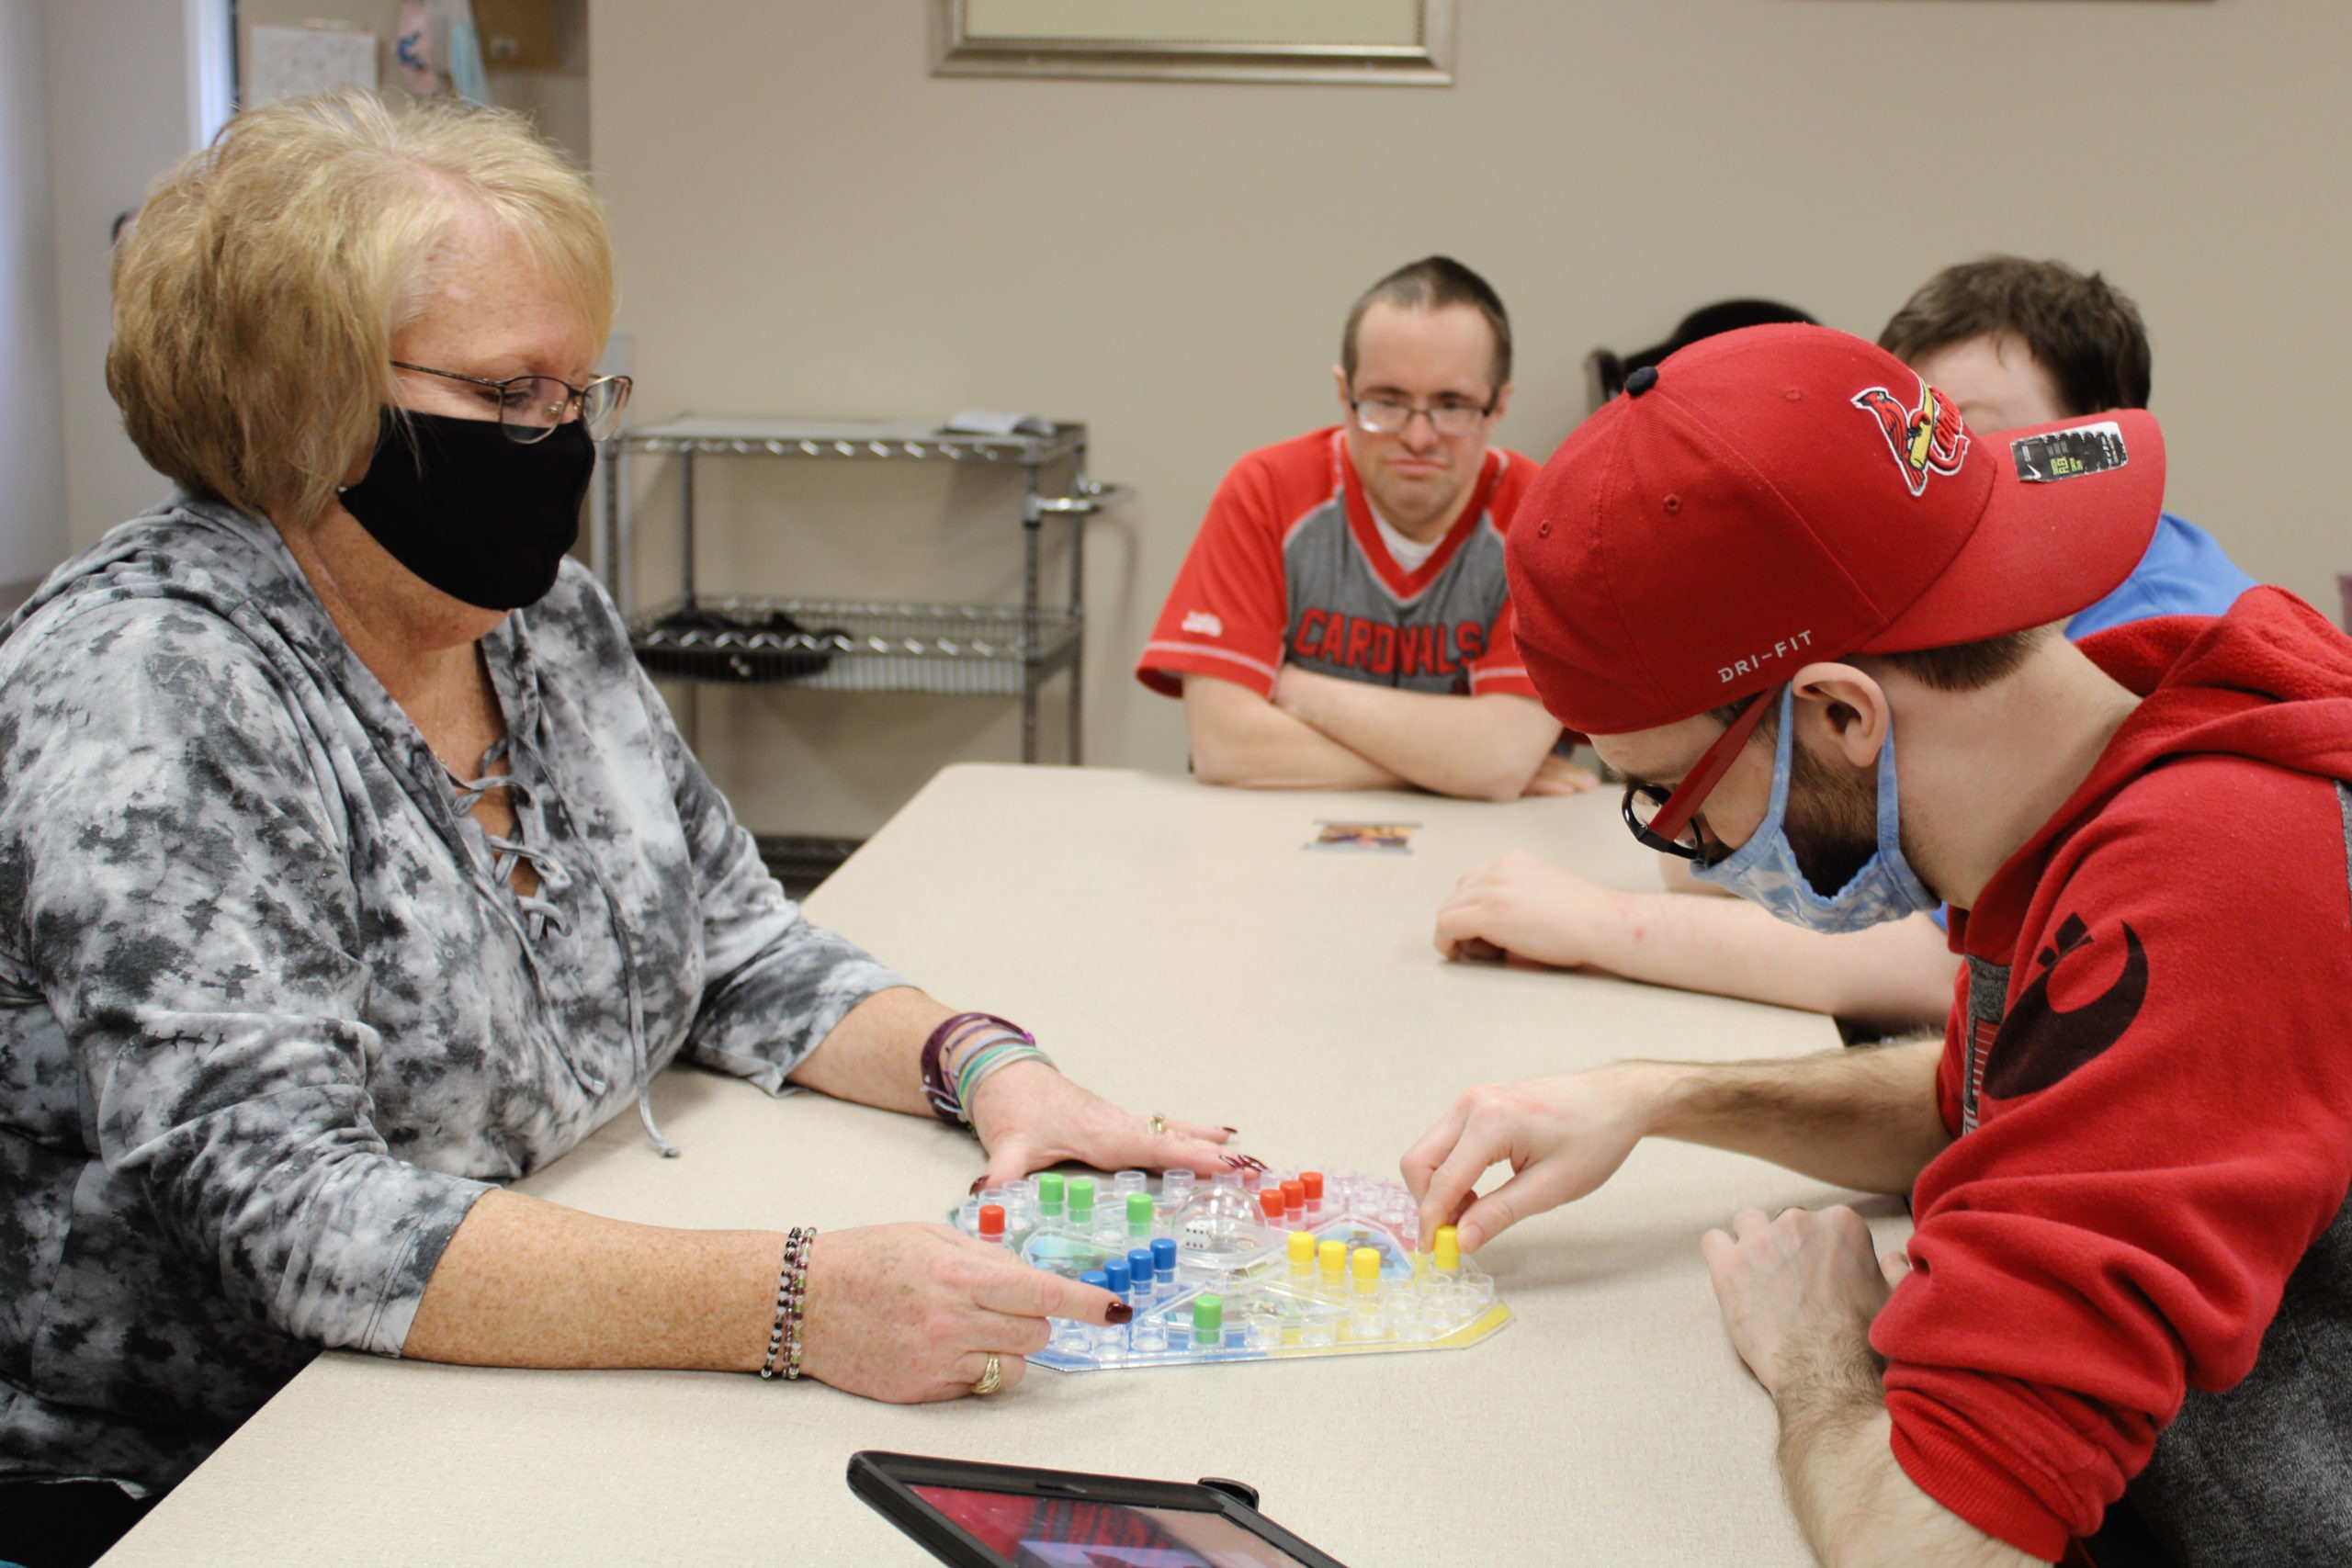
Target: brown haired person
<point>1342,621</point>
<point>349,868</point>
<point>2132,1267</point>
<point>2013,344</point>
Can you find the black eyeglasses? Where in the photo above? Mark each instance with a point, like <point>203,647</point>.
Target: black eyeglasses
<point>530,407</point>
<point>1387,416</point>
<point>1662,819</point>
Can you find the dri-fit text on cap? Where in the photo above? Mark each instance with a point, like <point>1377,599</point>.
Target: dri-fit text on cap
<point>1726,674</point>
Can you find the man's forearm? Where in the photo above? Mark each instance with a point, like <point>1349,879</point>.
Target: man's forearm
<point>1477,747</point>
<point>1865,1120</point>
<point>1897,975</point>
<point>1240,739</point>
<point>1799,1292</point>
<point>1853,1502</point>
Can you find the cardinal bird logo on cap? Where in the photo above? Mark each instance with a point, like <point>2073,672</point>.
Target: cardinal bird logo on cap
<point>1925,440</point>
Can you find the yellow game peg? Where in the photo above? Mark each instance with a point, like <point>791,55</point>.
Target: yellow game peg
<point>1332,1257</point>
<point>1302,1252</point>
<point>1446,1251</point>
<point>1365,1266</point>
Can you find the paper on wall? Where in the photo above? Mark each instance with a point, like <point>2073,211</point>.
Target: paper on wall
<point>437,38</point>
<point>284,62</point>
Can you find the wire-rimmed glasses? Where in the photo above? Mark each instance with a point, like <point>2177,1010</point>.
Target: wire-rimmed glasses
<point>528,408</point>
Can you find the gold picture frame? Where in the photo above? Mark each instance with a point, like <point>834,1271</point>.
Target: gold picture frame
<point>1407,42</point>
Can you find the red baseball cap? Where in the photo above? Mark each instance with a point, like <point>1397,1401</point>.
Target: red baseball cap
<point>1784,494</point>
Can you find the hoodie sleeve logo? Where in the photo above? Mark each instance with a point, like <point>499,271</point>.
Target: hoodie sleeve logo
<point>2039,1044</point>
<point>1928,439</point>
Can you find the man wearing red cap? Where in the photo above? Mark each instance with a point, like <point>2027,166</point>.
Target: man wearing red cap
<point>1809,615</point>
<point>2013,342</point>
<point>1342,621</point>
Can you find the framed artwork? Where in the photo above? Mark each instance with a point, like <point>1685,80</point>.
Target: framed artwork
<point>1404,42</point>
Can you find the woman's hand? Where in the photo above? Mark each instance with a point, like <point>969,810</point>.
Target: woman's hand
<point>1520,907</point>
<point>1029,1116</point>
<point>910,1313</point>
<point>1564,1136</point>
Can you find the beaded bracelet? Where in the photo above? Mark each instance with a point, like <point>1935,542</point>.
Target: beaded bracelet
<point>791,1294</point>
<point>948,1102</point>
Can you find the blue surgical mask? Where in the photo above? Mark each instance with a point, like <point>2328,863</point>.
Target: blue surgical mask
<point>1765,869</point>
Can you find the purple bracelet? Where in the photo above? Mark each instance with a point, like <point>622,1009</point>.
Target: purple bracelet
<point>945,1038</point>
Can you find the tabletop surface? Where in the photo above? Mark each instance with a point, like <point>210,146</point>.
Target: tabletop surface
<point>1178,949</point>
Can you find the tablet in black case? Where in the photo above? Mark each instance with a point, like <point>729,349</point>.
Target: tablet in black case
<point>1003,1515</point>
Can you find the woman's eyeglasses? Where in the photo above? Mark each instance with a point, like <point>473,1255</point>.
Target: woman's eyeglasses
<point>529,406</point>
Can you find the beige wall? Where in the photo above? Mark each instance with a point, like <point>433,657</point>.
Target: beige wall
<point>119,114</point>
<point>810,224</point>
<point>32,429</point>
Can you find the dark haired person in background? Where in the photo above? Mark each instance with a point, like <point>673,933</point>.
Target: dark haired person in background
<point>1342,621</point>
<point>2013,344</point>
<point>2016,343</point>
<point>1606,371</point>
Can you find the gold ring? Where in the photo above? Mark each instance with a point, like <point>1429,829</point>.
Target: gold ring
<point>1158,1126</point>
<point>992,1379</point>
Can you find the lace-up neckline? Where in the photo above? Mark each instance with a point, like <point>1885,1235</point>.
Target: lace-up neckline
<point>538,910</point>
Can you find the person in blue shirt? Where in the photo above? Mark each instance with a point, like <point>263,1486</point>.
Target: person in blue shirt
<point>2015,343</point>
<point>2018,343</point>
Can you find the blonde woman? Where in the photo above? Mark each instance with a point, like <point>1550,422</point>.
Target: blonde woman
<point>348,867</point>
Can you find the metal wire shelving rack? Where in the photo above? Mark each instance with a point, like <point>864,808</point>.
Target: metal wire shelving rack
<point>863,646</point>
<point>844,644</point>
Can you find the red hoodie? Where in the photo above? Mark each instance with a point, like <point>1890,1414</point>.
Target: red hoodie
<point>2149,1070</point>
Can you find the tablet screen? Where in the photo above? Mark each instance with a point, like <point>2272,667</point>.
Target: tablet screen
<point>1059,1532</point>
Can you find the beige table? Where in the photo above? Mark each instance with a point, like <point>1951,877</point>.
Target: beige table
<point>1176,947</point>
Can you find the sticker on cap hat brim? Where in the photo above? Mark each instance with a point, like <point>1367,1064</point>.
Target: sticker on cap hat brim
<point>2072,454</point>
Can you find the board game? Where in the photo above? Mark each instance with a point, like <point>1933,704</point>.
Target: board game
<point>1245,1266</point>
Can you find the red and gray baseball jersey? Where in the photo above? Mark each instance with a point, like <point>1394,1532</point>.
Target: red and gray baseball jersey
<point>1289,567</point>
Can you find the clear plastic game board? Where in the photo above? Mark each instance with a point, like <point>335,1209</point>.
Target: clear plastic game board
<point>1240,1268</point>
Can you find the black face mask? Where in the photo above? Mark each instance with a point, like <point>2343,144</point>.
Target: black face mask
<point>482,518</point>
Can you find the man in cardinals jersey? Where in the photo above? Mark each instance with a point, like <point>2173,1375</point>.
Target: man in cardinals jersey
<point>2120,1330</point>
<point>1342,621</point>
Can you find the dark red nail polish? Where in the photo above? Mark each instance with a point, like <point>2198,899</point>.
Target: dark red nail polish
<point>1120,1312</point>
<point>1233,1131</point>
<point>977,1182</point>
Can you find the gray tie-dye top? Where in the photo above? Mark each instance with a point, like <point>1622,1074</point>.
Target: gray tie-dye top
<point>270,1019</point>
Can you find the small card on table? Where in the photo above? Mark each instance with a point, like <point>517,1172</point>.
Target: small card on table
<point>1373,838</point>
